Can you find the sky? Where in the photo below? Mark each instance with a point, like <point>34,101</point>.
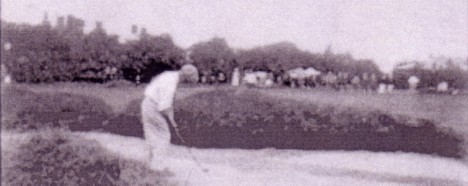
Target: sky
<point>387,31</point>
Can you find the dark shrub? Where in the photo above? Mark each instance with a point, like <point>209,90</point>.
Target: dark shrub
<point>247,119</point>
<point>56,158</point>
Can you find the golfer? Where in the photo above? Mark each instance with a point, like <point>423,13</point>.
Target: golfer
<point>157,112</point>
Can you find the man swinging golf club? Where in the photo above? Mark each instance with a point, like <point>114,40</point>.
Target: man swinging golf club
<point>157,112</point>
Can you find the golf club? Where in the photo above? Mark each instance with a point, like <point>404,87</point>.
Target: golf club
<point>190,151</point>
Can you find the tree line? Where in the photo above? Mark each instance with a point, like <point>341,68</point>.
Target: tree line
<point>64,52</point>
<point>42,53</point>
<point>45,53</point>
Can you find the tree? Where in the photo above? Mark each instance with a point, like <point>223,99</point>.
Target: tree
<point>274,57</point>
<point>144,56</point>
<point>99,54</point>
<point>38,53</point>
<point>213,56</point>
<point>442,70</point>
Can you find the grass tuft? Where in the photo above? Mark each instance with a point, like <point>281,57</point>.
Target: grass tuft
<point>52,157</point>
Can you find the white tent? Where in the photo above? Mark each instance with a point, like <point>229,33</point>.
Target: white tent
<point>257,78</point>
<point>296,73</point>
<point>309,72</point>
<point>442,86</point>
<point>261,75</point>
<point>250,79</point>
<point>300,73</point>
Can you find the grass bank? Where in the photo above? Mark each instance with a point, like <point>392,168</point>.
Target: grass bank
<point>247,118</point>
<point>226,117</point>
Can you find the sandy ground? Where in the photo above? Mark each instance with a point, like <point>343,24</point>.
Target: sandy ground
<point>281,167</point>
<point>292,167</point>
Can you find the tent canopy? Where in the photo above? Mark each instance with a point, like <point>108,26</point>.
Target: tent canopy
<point>303,73</point>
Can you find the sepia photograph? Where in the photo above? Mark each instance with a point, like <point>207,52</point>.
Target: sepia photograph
<point>234,92</point>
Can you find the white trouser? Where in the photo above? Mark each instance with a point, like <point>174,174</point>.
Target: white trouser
<point>156,130</point>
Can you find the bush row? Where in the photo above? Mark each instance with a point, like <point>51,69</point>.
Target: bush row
<point>247,119</point>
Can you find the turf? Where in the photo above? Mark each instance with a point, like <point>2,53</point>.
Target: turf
<point>248,118</point>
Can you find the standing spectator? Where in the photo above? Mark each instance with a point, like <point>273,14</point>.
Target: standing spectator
<point>330,80</point>
<point>221,77</point>
<point>374,82</point>
<point>383,83</point>
<point>5,77</point>
<point>413,82</point>
<point>213,79</point>
<point>391,83</point>
<point>342,79</point>
<point>356,82</point>
<point>235,78</point>
<point>365,83</point>
<point>138,79</point>
<point>203,78</point>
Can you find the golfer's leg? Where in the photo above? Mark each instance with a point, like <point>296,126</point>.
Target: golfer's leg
<point>162,140</point>
<point>156,131</point>
<point>149,131</point>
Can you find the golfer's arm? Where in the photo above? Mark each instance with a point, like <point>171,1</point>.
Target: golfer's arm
<point>169,115</point>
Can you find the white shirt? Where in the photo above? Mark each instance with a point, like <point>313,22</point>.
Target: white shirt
<point>162,89</point>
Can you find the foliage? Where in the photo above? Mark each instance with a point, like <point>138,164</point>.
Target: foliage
<point>279,56</point>
<point>451,73</point>
<point>98,55</point>
<point>146,55</point>
<point>213,56</point>
<point>253,120</point>
<point>59,158</point>
<point>42,53</point>
<point>284,56</point>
